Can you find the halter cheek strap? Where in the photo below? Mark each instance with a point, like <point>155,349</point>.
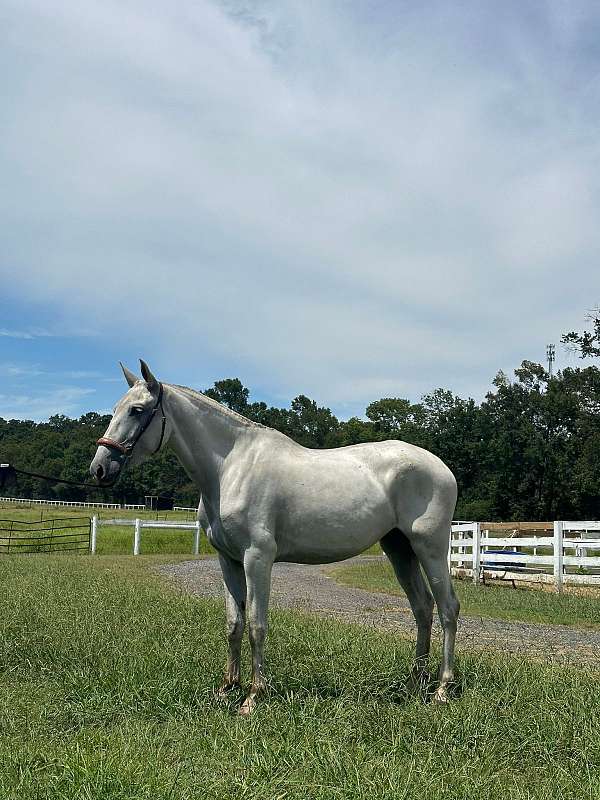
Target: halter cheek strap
<point>127,447</point>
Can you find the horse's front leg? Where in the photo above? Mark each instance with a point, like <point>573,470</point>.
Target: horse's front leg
<point>234,582</point>
<point>258,562</point>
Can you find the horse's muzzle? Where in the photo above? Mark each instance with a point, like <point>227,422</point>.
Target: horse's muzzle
<point>105,467</point>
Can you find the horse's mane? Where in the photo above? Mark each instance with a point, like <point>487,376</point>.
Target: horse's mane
<point>216,406</point>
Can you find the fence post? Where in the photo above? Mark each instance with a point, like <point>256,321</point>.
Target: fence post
<point>450,553</point>
<point>94,533</point>
<point>476,551</point>
<point>136,537</point>
<point>196,543</point>
<point>558,555</point>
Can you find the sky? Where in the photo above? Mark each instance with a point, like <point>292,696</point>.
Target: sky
<point>349,200</point>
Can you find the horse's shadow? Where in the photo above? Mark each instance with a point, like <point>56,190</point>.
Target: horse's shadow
<point>400,693</point>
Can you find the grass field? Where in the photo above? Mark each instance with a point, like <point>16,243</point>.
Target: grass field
<point>572,607</point>
<point>107,691</point>
<point>116,540</point>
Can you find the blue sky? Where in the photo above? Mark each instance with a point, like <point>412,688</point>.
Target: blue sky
<point>348,200</point>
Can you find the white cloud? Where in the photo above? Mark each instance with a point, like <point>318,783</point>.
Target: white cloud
<point>8,370</point>
<point>344,206</point>
<point>33,333</point>
<point>44,333</point>
<point>43,404</point>
<point>12,370</point>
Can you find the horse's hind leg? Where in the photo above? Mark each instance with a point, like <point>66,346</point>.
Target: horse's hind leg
<point>431,548</point>
<point>408,572</point>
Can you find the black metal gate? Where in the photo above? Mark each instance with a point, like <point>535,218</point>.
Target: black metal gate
<point>60,535</point>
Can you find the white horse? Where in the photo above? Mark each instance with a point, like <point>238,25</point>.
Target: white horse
<point>265,498</point>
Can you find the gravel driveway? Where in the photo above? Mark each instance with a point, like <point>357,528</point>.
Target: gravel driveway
<point>307,589</point>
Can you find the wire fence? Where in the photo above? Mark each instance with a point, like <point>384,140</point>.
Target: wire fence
<point>67,534</point>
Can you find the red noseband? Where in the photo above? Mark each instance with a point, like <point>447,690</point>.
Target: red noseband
<point>111,443</point>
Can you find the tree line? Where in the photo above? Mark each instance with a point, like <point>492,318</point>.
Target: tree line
<point>529,450</point>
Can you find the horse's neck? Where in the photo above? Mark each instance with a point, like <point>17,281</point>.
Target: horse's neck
<point>202,436</point>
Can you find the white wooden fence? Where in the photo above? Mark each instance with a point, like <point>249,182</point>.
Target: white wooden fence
<point>31,501</point>
<point>139,524</point>
<point>476,549</point>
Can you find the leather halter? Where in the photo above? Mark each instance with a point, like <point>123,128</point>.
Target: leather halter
<point>127,447</point>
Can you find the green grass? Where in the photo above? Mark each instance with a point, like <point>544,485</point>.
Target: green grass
<point>107,691</point>
<point>572,607</point>
<point>118,539</point>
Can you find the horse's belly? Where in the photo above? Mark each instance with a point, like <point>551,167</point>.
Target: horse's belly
<point>319,537</point>
<point>305,554</point>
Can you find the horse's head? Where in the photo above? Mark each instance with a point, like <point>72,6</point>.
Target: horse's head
<point>136,430</point>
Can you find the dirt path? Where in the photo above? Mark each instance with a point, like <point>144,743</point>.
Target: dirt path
<point>308,589</point>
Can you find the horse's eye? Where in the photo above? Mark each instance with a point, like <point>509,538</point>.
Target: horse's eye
<point>136,410</point>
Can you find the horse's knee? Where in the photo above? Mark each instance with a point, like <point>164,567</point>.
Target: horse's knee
<point>235,628</point>
<point>456,603</point>
<point>449,611</point>
<point>454,606</point>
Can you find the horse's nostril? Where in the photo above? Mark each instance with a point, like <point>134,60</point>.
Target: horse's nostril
<point>99,472</point>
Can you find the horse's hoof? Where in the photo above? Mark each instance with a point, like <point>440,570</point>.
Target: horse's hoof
<point>417,682</point>
<point>440,696</point>
<point>224,691</point>
<point>247,707</point>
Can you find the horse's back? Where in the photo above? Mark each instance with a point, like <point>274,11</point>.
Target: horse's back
<point>389,465</point>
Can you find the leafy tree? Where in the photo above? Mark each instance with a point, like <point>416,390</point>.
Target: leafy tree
<point>452,429</point>
<point>310,424</point>
<point>397,418</point>
<point>530,433</point>
<point>581,486</point>
<point>588,343</point>
<point>231,392</point>
<point>354,431</point>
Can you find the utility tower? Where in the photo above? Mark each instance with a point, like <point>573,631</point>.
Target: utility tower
<point>550,356</point>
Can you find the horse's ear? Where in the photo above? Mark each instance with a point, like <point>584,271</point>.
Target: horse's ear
<point>129,376</point>
<point>148,376</point>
